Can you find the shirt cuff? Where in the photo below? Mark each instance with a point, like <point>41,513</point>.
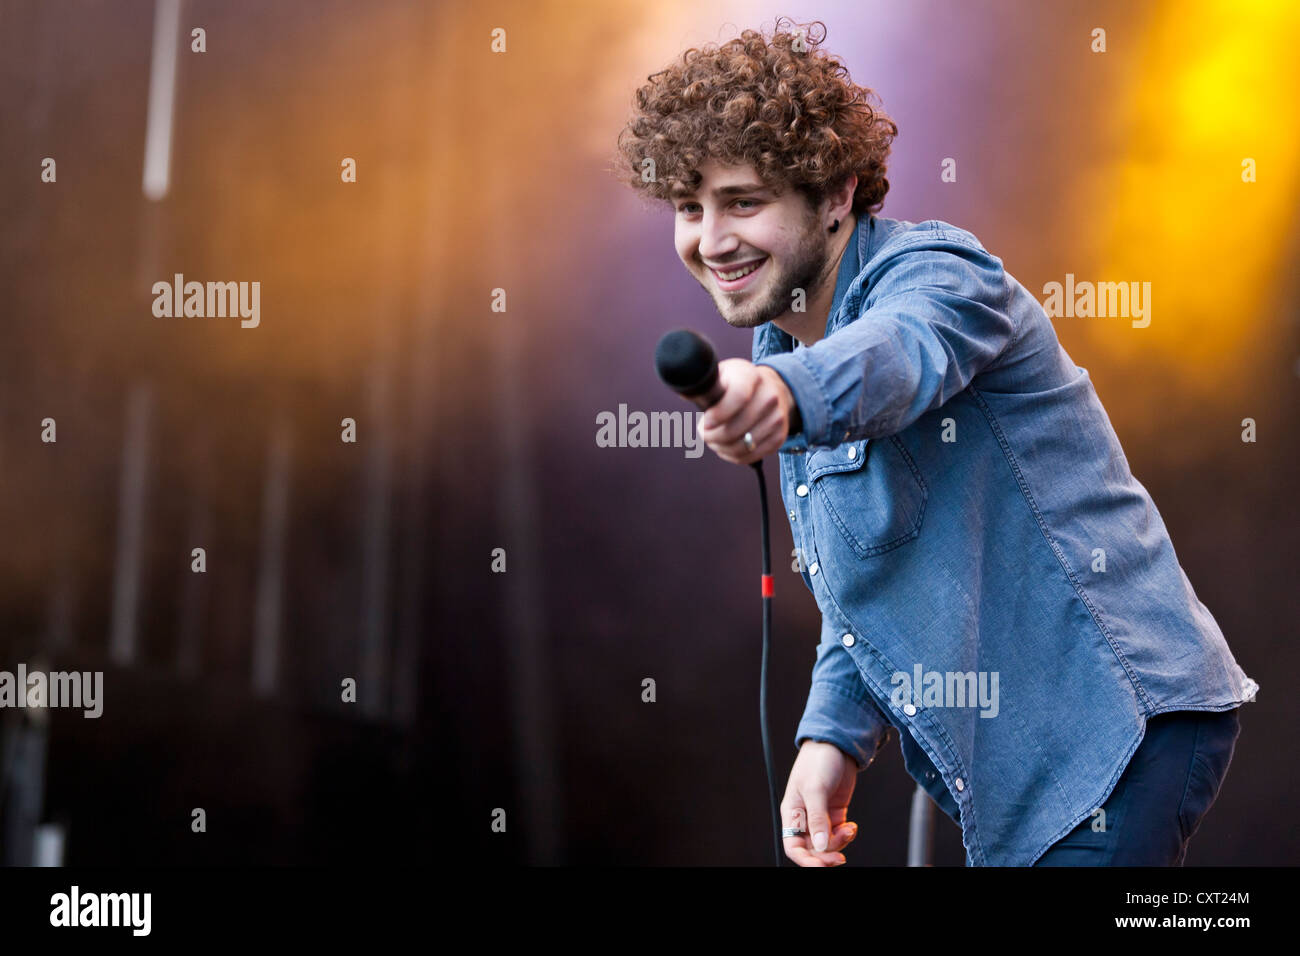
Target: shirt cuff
<point>855,726</point>
<point>813,410</point>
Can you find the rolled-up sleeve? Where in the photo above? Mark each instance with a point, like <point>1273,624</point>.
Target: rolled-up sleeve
<point>935,315</point>
<point>840,710</point>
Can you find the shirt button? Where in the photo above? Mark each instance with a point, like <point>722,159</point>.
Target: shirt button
<point>909,710</point>
<point>813,569</point>
<point>960,786</point>
<point>792,516</point>
<point>929,775</point>
<point>853,453</point>
<point>802,491</point>
<point>848,640</point>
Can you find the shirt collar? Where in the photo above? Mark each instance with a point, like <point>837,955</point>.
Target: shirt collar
<point>850,266</point>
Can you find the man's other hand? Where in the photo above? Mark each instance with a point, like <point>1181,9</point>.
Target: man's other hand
<point>817,800</point>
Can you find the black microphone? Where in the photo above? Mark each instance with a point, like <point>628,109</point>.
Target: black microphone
<point>687,364</point>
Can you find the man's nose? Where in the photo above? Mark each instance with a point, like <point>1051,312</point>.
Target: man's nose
<point>717,241</point>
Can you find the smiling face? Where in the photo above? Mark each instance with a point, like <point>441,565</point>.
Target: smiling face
<point>732,223</point>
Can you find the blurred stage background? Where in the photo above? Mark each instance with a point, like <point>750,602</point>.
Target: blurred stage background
<point>476,429</point>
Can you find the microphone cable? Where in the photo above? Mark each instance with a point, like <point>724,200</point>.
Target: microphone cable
<point>687,363</point>
<point>767,589</point>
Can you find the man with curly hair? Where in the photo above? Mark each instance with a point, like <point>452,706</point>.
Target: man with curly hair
<point>995,585</point>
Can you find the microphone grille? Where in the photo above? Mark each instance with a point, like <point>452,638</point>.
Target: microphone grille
<point>684,359</point>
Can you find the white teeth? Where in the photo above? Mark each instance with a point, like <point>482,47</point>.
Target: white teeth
<point>730,276</point>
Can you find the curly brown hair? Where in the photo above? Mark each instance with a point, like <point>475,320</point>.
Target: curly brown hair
<point>793,114</point>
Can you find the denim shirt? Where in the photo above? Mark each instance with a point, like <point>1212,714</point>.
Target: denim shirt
<point>963,512</point>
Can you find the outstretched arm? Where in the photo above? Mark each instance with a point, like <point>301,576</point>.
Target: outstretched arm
<point>935,316</point>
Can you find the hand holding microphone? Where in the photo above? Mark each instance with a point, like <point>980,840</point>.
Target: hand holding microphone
<point>741,399</point>
<point>755,401</point>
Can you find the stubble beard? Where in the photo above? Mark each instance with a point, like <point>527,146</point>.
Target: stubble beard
<point>803,272</point>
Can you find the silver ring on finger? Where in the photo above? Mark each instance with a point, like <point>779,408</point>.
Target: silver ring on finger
<point>749,441</point>
<point>793,832</point>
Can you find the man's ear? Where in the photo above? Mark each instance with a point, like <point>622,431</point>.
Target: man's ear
<point>843,194</point>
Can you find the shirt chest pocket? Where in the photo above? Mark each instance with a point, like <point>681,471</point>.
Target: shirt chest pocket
<point>870,491</point>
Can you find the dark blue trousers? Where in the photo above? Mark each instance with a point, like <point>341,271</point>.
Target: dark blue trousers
<point>1157,805</point>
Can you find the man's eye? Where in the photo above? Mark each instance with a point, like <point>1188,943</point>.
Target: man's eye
<point>683,208</point>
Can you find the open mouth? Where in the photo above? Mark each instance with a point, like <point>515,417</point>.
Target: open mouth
<point>742,275</point>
